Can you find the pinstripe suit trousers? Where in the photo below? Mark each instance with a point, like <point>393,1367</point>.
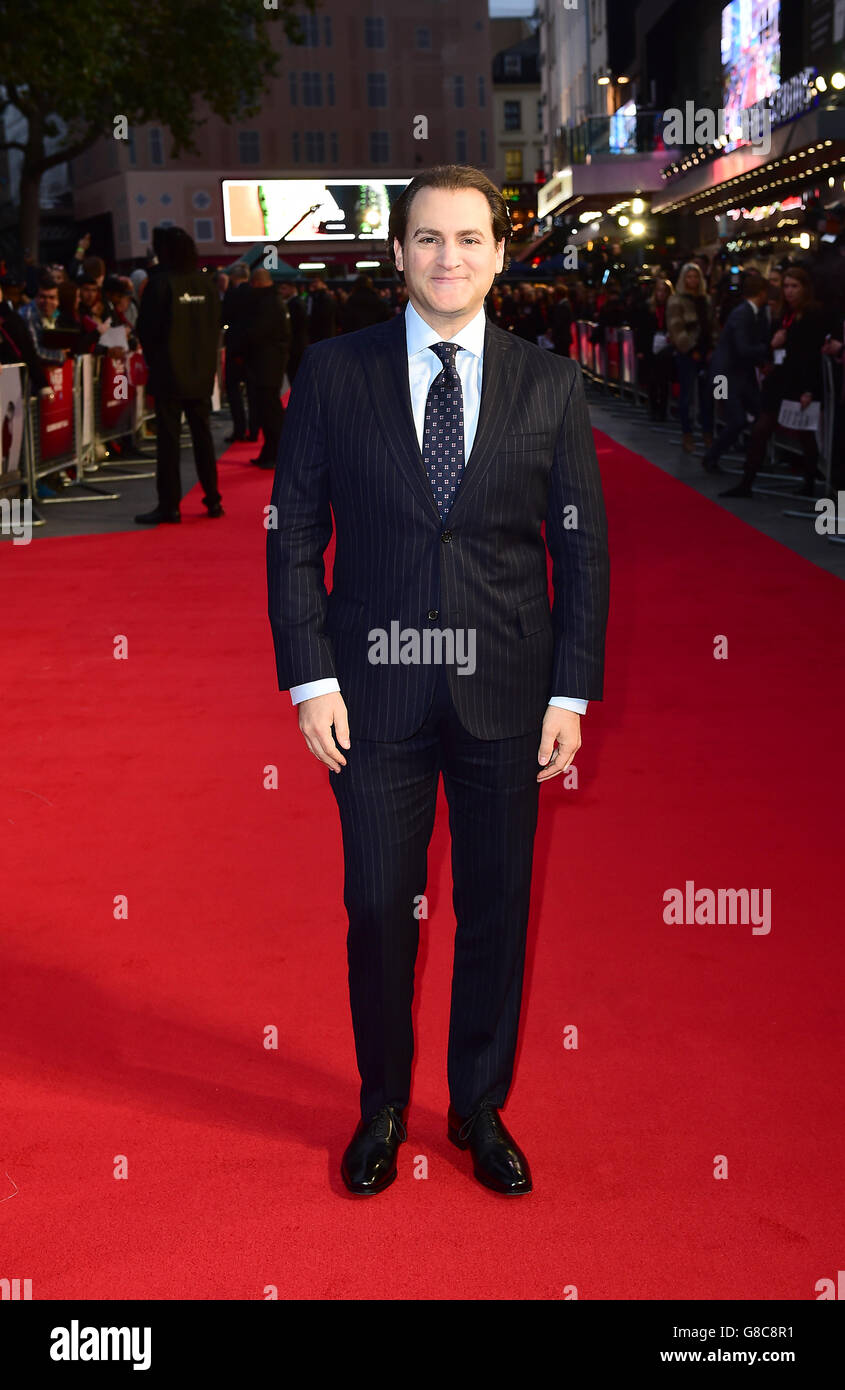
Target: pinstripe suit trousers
<point>386,796</point>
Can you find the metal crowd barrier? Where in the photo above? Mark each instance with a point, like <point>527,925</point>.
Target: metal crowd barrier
<point>611,363</point>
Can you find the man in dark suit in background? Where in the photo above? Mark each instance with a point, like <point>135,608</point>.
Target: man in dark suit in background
<point>236,309</point>
<point>267,342</point>
<point>742,347</point>
<point>321,310</point>
<point>298,328</point>
<point>442,445</point>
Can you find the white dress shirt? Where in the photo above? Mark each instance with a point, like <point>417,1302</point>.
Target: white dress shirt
<point>423,367</point>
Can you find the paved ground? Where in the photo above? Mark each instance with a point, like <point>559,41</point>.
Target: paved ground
<point>624,422</point>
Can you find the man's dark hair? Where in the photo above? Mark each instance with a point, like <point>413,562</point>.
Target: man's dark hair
<point>176,251</point>
<point>450,176</point>
<point>113,285</point>
<point>47,282</point>
<point>752,284</point>
<point>86,280</point>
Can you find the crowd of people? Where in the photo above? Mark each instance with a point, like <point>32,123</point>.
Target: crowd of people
<point>744,342</point>
<point>734,340</point>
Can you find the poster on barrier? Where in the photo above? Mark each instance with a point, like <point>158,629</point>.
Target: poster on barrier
<point>117,397</point>
<point>11,419</point>
<point>86,379</point>
<point>138,370</point>
<point>56,413</point>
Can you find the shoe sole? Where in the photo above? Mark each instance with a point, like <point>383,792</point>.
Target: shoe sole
<point>500,1192</point>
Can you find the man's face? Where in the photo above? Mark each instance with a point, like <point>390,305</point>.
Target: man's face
<point>88,296</point>
<point>47,301</point>
<point>450,257</point>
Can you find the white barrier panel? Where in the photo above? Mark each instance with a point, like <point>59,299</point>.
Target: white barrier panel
<point>13,393</point>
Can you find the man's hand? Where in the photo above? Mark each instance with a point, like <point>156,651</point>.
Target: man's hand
<point>561,727</point>
<point>316,718</point>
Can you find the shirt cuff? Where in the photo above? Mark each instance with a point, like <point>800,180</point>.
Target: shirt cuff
<point>563,702</point>
<point>309,689</point>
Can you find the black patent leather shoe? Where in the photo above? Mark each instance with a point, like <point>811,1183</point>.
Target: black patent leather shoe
<point>156,517</point>
<point>369,1164</point>
<point>497,1159</point>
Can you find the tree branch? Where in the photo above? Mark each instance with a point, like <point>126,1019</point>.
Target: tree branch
<point>71,151</point>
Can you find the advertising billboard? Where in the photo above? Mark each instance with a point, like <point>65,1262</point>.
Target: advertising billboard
<point>310,210</point>
<point>750,56</point>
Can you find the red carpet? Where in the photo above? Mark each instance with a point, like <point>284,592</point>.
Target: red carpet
<point>143,1036</point>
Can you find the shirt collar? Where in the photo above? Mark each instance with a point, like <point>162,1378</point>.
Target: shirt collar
<point>419,335</point>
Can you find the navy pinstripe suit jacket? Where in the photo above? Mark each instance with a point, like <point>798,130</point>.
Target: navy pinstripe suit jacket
<point>349,447</point>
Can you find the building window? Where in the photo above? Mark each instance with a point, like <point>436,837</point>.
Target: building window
<point>144,230</point>
<point>315,147</point>
<point>333,150</point>
<point>249,147</point>
<point>422,37</point>
<point>203,229</point>
<point>312,89</point>
<point>373,32</point>
<point>458,87</point>
<point>513,65</point>
<point>482,91</point>
<point>133,153</point>
<point>292,86</point>
<point>376,88</point>
<point>294,145</point>
<point>379,147</point>
<point>513,166</point>
<point>155,146</point>
<point>310,28</point>
<point>461,146</point>
<point>201,200</point>
<point>539,114</point>
<point>327,30</point>
<point>330,88</point>
<point>513,115</point>
<point>482,142</point>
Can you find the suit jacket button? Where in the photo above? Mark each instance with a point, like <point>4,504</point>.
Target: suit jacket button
<point>433,613</point>
<point>447,536</point>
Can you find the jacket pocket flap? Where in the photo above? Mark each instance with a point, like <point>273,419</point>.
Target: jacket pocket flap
<point>533,615</point>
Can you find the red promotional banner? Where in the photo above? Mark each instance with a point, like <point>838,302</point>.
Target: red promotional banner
<point>117,395</point>
<point>56,415</point>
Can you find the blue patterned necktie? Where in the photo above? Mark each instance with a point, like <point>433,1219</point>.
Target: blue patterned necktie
<point>443,430</point>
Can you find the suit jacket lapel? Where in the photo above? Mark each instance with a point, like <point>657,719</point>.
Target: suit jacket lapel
<point>500,384</point>
<point>386,366</point>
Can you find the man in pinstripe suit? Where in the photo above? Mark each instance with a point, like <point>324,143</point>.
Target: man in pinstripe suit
<point>442,445</point>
